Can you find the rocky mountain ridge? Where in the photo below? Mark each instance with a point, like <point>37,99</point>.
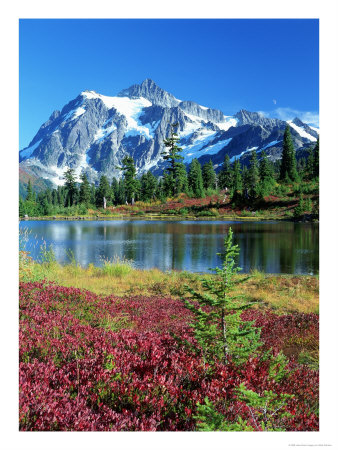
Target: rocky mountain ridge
<point>93,132</point>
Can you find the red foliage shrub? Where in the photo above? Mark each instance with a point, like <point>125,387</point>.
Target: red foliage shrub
<point>92,363</point>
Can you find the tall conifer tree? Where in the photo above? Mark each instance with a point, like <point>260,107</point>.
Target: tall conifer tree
<point>30,194</point>
<point>253,175</point>
<point>85,193</point>
<point>246,182</point>
<point>172,155</point>
<point>102,192</point>
<point>266,175</point>
<point>288,169</point>
<point>70,185</point>
<point>181,178</point>
<point>226,175</point>
<point>148,186</point>
<point>209,175</point>
<point>129,175</point>
<point>195,179</point>
<point>237,180</point>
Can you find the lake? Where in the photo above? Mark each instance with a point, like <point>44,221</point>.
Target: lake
<point>269,246</point>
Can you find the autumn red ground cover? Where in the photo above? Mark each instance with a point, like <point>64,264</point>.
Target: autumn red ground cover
<point>121,364</point>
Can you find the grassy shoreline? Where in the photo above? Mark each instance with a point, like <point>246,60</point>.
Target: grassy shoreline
<point>281,293</point>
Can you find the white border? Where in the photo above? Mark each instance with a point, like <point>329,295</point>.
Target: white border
<point>327,12</point>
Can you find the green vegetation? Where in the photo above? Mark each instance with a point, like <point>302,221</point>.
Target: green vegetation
<point>264,190</point>
<point>175,171</point>
<point>263,361</point>
<point>282,293</point>
<point>288,170</point>
<point>219,330</point>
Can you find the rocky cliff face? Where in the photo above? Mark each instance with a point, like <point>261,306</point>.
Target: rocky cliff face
<point>94,132</point>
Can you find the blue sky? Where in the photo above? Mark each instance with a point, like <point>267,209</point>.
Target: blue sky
<point>268,65</point>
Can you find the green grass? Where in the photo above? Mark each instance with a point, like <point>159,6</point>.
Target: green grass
<point>117,267</point>
<point>282,293</point>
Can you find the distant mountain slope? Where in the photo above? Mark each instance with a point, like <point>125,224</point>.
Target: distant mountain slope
<point>93,132</point>
<point>38,184</point>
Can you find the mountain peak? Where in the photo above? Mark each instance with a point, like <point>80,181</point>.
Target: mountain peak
<point>89,94</point>
<point>297,122</point>
<point>152,92</point>
<point>256,118</point>
<point>148,82</point>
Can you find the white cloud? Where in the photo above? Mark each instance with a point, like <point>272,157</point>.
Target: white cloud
<point>309,117</point>
<point>274,101</point>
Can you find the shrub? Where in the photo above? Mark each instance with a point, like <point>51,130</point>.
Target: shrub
<point>117,267</point>
<point>207,213</point>
<point>89,363</point>
<point>184,211</point>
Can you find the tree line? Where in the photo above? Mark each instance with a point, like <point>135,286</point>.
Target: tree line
<point>240,182</point>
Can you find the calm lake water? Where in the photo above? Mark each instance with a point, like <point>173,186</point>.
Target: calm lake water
<point>273,247</point>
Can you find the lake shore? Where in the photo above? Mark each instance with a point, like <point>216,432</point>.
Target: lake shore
<point>308,218</point>
<point>279,292</point>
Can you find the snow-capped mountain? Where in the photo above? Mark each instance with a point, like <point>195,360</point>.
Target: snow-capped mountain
<point>94,132</point>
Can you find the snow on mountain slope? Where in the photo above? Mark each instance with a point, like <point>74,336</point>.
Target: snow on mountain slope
<point>229,122</point>
<point>74,114</point>
<point>301,131</point>
<point>233,159</point>
<point>107,128</point>
<point>202,145</point>
<point>93,133</point>
<point>28,151</point>
<point>314,129</point>
<point>132,109</point>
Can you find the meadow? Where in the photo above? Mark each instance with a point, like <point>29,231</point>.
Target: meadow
<point>113,349</point>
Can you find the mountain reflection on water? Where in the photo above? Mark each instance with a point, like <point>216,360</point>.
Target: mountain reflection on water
<point>273,247</point>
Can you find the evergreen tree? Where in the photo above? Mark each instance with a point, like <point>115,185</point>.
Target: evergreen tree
<point>310,164</point>
<point>267,180</point>
<point>253,175</point>
<point>181,178</point>
<point>30,194</point>
<point>85,193</point>
<point>45,206</point>
<point>121,192</point>
<point>48,195</point>
<point>195,179</point>
<point>160,190</point>
<point>21,207</point>
<point>209,176</point>
<point>168,184</point>
<point>288,168</point>
<point>316,160</point>
<point>237,180</point>
<point>93,194</point>
<point>70,186</point>
<point>129,175</point>
<point>148,186</point>
<point>172,155</point>
<point>246,182</point>
<point>115,190</point>
<point>225,177</point>
<point>217,322</point>
<point>54,197</point>
<point>61,195</point>
<point>301,167</point>
<point>103,192</point>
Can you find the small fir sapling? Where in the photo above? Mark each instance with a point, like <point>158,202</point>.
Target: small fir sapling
<point>217,322</point>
